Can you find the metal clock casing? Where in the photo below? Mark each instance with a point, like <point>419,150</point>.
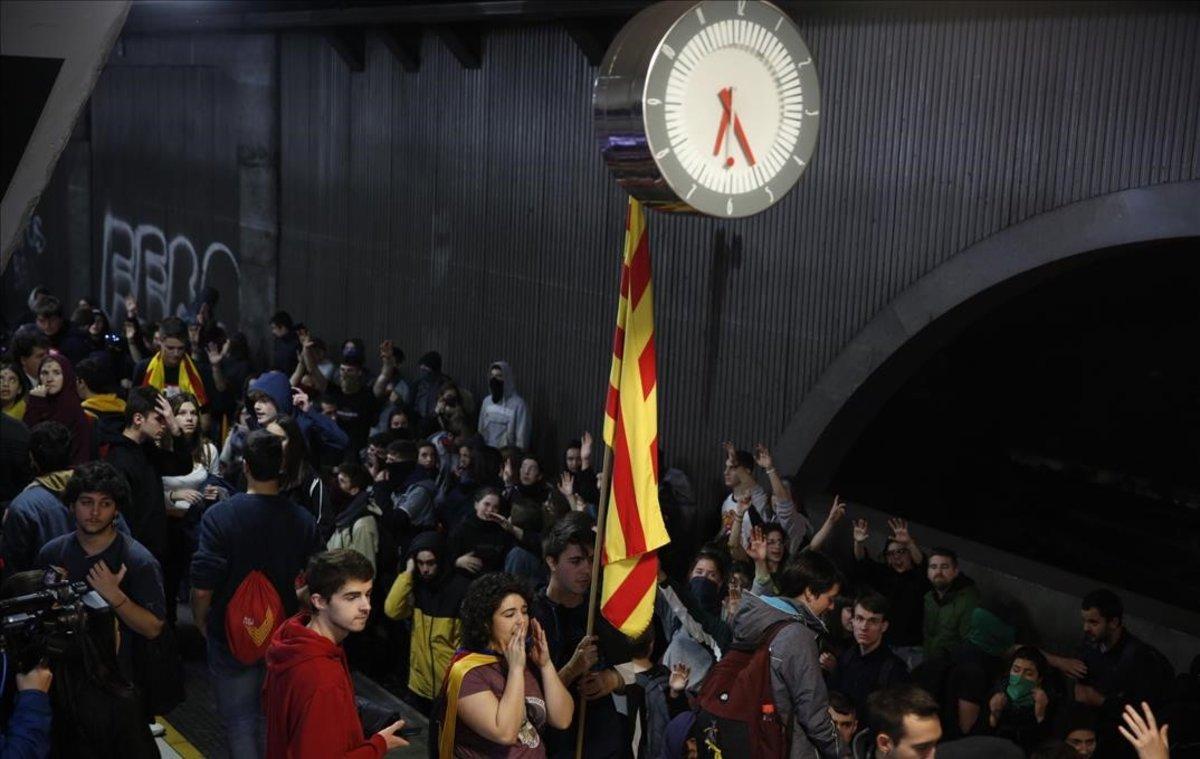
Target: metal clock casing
<point>665,90</point>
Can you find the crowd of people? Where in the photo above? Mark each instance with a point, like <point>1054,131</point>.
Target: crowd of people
<point>310,515</point>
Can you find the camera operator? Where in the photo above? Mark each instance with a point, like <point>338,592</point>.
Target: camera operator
<point>27,732</point>
<point>116,566</point>
<point>96,711</point>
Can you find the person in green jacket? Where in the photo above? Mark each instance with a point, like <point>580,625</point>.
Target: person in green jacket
<point>948,606</point>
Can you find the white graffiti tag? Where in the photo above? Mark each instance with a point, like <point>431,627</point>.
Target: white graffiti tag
<point>163,277</point>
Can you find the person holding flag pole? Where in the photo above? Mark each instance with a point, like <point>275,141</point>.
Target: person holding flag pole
<point>630,528</point>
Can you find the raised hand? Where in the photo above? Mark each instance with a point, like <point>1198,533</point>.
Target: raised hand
<point>743,504</point>
<point>566,485</point>
<point>164,408</point>
<point>387,354</point>
<point>900,531</point>
<point>585,447</point>
<point>130,328</point>
<point>757,550</point>
<point>217,352</point>
<point>837,511</point>
<point>862,531</point>
<point>300,400</point>
<point>678,680</point>
<point>1144,734</point>
<point>131,307</point>
<point>762,456</point>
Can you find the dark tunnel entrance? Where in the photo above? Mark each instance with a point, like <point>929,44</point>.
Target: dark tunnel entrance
<point>1063,426</point>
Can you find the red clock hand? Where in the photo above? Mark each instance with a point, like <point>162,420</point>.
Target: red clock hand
<point>741,138</point>
<point>726,96</point>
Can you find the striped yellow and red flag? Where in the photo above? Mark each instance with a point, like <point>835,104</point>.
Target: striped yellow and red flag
<point>634,526</point>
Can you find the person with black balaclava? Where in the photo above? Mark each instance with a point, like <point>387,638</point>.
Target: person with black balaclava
<point>429,592</point>
<point>503,416</point>
<point>357,406</point>
<point>429,384</point>
<point>692,615</point>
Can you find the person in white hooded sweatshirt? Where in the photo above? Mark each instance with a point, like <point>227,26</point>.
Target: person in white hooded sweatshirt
<point>503,417</point>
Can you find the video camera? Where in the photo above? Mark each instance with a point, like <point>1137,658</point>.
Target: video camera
<point>43,624</point>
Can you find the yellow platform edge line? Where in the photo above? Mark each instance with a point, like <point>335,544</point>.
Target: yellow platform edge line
<point>175,740</point>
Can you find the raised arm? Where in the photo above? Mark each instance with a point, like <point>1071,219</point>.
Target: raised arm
<point>836,512</point>
<point>309,357</point>
<point>762,457</point>
<point>387,367</point>
<point>862,533</point>
<point>901,535</point>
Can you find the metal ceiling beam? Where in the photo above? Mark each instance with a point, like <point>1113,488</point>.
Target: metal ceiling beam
<point>157,19</point>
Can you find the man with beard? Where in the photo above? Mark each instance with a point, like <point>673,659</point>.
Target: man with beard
<point>308,692</point>
<point>583,666</point>
<point>357,406</point>
<point>1121,668</point>
<point>116,566</point>
<point>948,605</point>
<point>503,416</point>
<point>901,580</point>
<point>429,592</point>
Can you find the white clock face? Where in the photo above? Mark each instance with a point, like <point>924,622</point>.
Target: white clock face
<point>731,106</point>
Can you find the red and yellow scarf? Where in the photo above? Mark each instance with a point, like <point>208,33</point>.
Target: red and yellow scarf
<point>462,663</point>
<point>189,377</point>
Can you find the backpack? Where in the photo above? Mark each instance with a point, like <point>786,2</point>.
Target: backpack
<point>736,715</point>
<point>253,613</point>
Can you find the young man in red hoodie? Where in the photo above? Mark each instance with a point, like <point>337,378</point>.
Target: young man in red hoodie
<point>309,696</point>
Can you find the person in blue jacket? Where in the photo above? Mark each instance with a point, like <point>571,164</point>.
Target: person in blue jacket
<point>272,395</point>
<point>27,734</point>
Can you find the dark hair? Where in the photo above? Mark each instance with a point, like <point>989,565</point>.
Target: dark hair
<point>1053,749</point>
<point>743,460</point>
<point>328,571</point>
<point>427,444</point>
<point>482,599</point>
<point>1077,717</point>
<point>380,439</point>
<point>48,305</point>
<point>1106,602</point>
<point>874,603</point>
<point>263,456</point>
<point>357,474</point>
<point>808,571</point>
<point>295,469</point>
<point>643,643</point>
<point>50,446</point>
<point>405,449</point>
<point>16,369</point>
<point>97,374</point>
<point>887,708</point>
<point>949,553</point>
<point>1033,654</point>
<point>97,477</point>
<point>282,319</point>
<point>174,327</point>
<point>841,703</point>
<point>26,339</point>
<point>716,557</point>
<point>574,443</point>
<point>239,346</point>
<point>142,400</point>
<point>574,529</point>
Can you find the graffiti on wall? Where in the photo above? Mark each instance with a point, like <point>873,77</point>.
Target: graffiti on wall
<point>163,275</point>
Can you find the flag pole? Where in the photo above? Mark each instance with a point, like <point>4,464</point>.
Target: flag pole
<point>594,590</point>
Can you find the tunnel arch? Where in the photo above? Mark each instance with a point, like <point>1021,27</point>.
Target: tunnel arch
<point>944,302</point>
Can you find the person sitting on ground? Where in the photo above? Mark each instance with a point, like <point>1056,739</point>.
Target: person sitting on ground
<point>807,586</point>
<point>497,706</point>
<point>844,714</point>
<point>98,390</point>
<point>1020,709</point>
<point>948,605</point>
<point>12,390</point>
<point>868,665</point>
<point>691,616</point>
<point>358,523</point>
<point>429,592</point>
<point>56,398</point>
<point>902,580</point>
<point>308,695</point>
<point>1121,668</point>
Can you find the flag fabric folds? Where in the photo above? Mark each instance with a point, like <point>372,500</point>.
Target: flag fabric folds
<point>634,526</point>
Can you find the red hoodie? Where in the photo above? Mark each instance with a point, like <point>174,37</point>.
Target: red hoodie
<point>310,700</point>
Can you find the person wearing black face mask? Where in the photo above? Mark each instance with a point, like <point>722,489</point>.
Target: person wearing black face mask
<point>427,390</point>
<point>411,484</point>
<point>504,417</point>
<point>692,614</point>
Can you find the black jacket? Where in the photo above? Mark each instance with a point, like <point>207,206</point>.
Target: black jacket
<point>144,465</point>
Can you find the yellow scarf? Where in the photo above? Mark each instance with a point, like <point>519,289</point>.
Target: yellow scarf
<point>189,377</point>
<point>463,663</point>
<point>108,403</point>
<point>17,410</point>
